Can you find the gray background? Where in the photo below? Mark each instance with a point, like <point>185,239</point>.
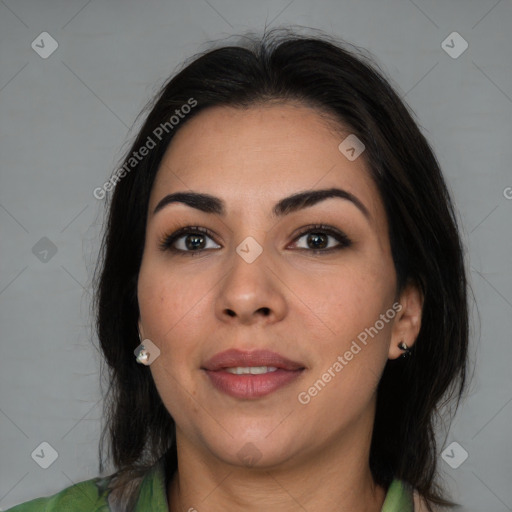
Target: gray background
<point>65,122</point>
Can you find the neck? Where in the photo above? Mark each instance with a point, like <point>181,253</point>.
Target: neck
<point>271,492</point>
<point>335,477</point>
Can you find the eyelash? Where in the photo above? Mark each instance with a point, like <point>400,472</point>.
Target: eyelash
<point>166,244</point>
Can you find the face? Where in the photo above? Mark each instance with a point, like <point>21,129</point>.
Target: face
<point>251,278</point>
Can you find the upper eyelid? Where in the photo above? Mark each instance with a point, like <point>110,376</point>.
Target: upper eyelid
<point>178,233</point>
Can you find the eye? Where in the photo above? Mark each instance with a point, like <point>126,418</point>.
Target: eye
<point>194,240</point>
<point>191,239</point>
<point>318,239</point>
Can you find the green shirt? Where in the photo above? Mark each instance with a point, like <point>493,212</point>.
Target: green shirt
<point>93,496</point>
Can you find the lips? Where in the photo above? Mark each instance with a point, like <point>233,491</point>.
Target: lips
<point>280,372</point>
<point>237,358</point>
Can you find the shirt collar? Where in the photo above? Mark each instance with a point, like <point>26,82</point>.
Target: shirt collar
<point>153,492</point>
<point>399,497</point>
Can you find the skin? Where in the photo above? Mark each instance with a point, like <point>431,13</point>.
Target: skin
<point>193,306</point>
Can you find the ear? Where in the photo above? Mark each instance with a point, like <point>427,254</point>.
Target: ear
<point>141,331</point>
<point>407,323</point>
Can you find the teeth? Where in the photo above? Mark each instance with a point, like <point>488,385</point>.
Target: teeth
<point>253,370</point>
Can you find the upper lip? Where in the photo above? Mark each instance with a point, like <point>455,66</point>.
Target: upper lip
<point>233,358</point>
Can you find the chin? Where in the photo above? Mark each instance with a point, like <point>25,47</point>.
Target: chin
<point>255,451</point>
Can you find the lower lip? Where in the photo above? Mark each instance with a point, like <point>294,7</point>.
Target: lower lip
<point>251,386</point>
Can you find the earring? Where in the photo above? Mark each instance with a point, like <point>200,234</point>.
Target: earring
<point>142,356</point>
<point>407,350</point>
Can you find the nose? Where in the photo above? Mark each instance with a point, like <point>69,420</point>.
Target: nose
<point>250,293</point>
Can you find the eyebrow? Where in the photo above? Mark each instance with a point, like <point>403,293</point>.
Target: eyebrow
<point>211,204</point>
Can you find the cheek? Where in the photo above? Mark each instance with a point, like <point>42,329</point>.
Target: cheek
<point>350,302</point>
<point>351,298</point>
<point>169,301</point>
<point>171,320</point>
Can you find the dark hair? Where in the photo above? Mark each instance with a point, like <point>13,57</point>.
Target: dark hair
<point>321,72</point>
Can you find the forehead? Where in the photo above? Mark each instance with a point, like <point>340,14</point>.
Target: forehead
<point>265,151</point>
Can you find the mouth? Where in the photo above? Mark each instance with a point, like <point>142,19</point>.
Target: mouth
<point>251,375</point>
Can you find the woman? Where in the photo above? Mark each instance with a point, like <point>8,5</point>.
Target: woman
<point>283,258</point>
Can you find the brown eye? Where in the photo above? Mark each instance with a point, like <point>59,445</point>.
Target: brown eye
<point>317,238</point>
<point>188,240</point>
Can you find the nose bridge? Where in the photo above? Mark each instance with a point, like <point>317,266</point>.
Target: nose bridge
<point>247,267</point>
<point>249,289</point>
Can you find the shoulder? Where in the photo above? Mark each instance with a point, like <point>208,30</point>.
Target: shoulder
<point>86,496</point>
<point>137,488</point>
